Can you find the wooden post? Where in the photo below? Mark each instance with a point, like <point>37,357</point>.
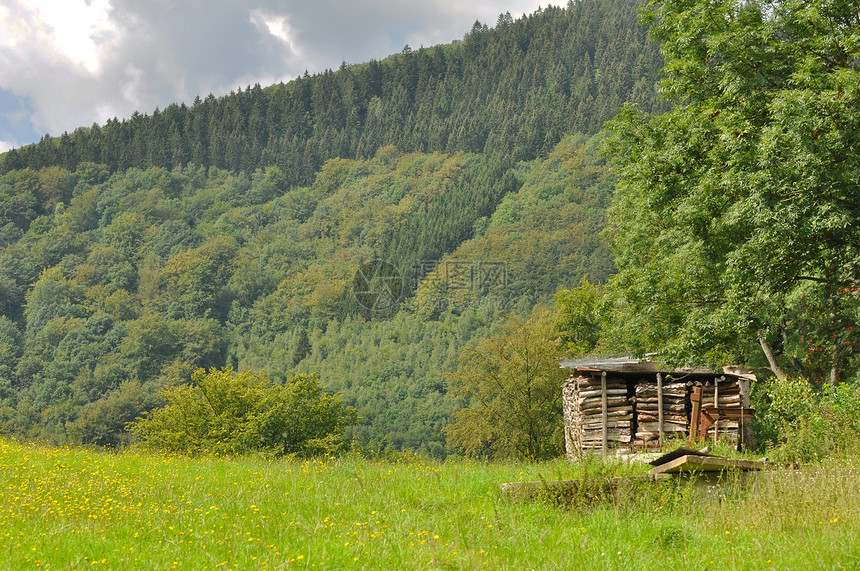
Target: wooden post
<point>660,409</point>
<point>745,440</point>
<point>696,399</point>
<point>605,409</point>
<point>716,405</point>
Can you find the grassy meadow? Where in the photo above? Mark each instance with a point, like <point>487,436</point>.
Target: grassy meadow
<point>75,509</point>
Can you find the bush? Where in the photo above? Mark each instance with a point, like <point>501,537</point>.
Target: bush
<point>224,412</point>
<point>801,424</point>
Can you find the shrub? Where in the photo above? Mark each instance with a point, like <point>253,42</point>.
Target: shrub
<point>802,424</point>
<point>224,412</point>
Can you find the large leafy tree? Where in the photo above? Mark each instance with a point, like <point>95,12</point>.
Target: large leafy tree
<point>513,383</point>
<point>737,219</point>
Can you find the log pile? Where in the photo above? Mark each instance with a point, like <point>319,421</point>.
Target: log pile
<point>570,411</point>
<point>619,412</point>
<point>675,417</point>
<point>633,410</point>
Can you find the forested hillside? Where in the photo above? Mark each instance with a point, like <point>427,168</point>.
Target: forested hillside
<point>230,232</point>
<point>511,92</point>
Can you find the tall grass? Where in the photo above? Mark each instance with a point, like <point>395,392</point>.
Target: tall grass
<point>68,508</point>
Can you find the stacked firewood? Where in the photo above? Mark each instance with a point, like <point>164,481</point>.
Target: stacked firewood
<point>570,411</point>
<point>728,395</point>
<point>633,411</point>
<point>619,412</point>
<point>675,418</point>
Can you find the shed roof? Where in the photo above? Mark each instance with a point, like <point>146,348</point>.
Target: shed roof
<point>625,366</point>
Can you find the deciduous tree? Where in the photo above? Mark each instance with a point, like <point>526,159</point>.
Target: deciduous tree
<point>513,384</point>
<point>742,201</point>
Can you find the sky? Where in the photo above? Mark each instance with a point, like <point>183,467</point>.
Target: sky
<point>71,63</point>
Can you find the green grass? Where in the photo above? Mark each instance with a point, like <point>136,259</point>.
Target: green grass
<point>70,508</point>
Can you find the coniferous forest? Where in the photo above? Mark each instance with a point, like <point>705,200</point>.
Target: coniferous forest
<point>229,232</point>
<point>511,91</point>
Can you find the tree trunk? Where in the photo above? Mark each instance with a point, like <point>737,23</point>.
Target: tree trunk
<point>834,365</point>
<point>837,348</point>
<point>771,359</point>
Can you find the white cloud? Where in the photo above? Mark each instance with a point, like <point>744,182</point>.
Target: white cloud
<point>132,87</point>
<point>6,145</point>
<point>14,32</point>
<point>278,26</point>
<point>75,31</point>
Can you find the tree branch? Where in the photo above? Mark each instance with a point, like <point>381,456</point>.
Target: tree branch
<point>771,359</point>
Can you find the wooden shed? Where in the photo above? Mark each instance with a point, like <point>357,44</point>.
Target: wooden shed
<point>636,404</point>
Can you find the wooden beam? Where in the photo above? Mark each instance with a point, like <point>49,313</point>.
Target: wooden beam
<point>605,409</point>
<point>716,403</point>
<point>696,399</point>
<point>660,409</point>
<point>692,463</point>
<point>746,433</point>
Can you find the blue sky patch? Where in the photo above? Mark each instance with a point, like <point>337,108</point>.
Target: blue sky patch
<point>15,126</point>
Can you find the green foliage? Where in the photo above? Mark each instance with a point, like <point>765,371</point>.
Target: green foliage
<point>102,422</point>
<point>739,201</point>
<point>10,343</point>
<point>780,404</point>
<point>801,425</point>
<point>52,296</point>
<point>224,412</point>
<point>513,387</point>
<point>577,311</point>
<point>547,231</point>
<point>149,292</point>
